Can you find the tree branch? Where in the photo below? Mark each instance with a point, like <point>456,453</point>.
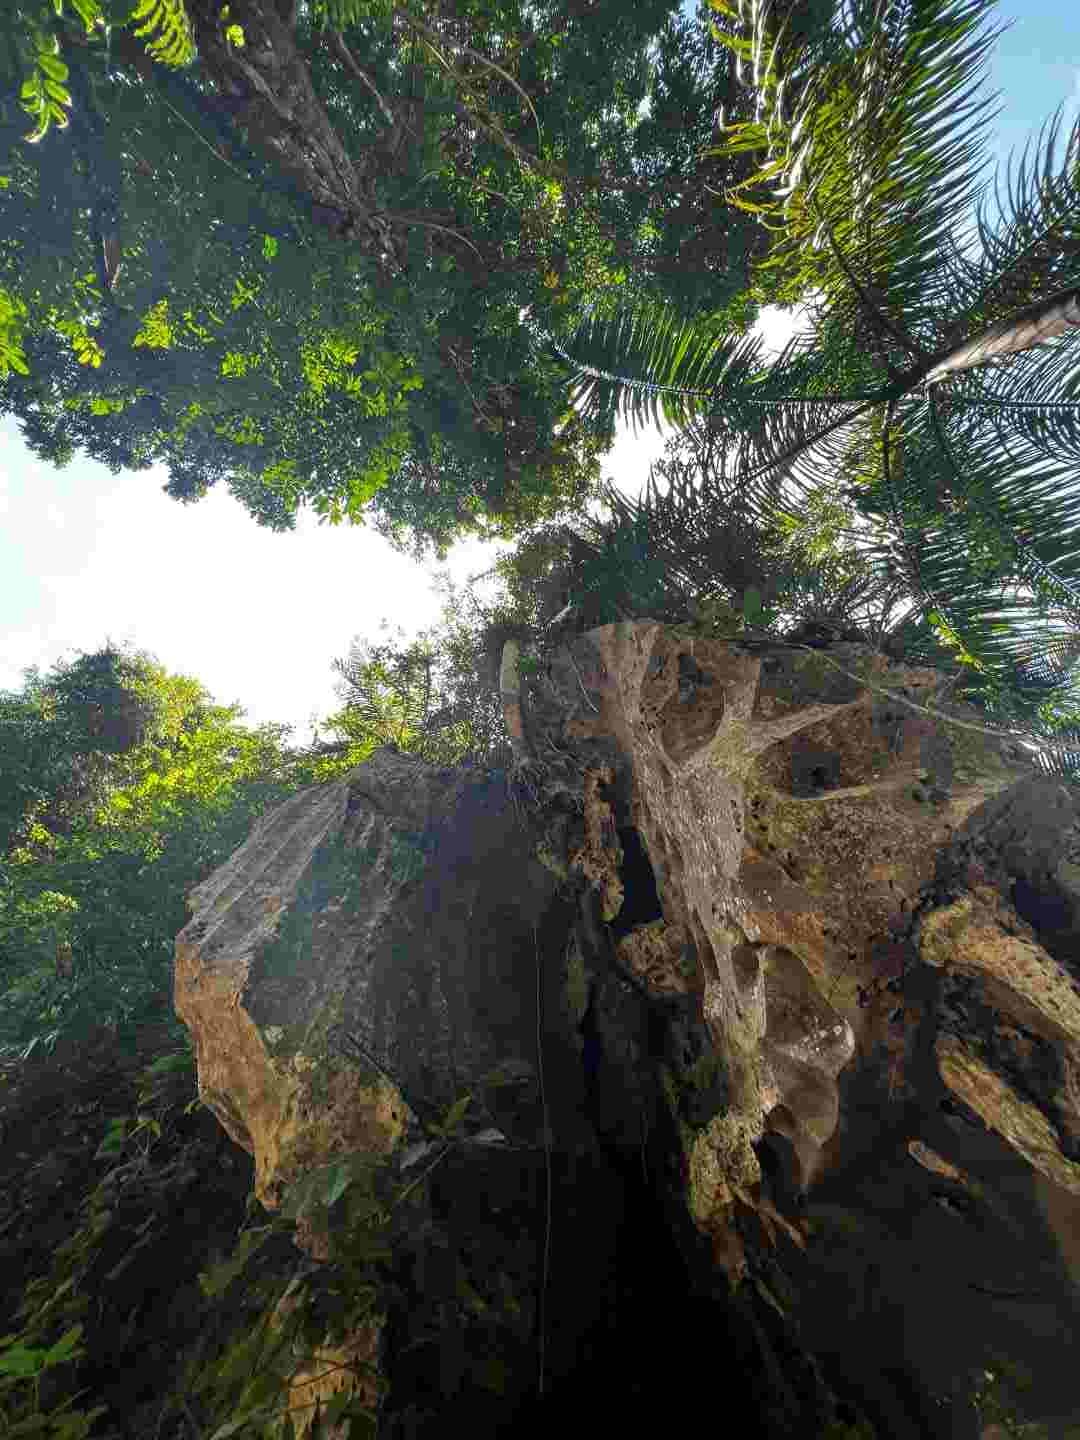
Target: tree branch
<point>345,54</point>
<point>1023,330</point>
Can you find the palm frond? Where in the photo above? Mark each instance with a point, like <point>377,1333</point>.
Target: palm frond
<point>388,693</point>
<point>710,537</point>
<point>975,550</point>
<point>940,389</point>
<point>715,371</point>
<point>1035,393</point>
<point>654,344</point>
<point>1021,419</point>
<point>827,594</point>
<point>873,162</point>
<point>704,541</point>
<point>1026,245</point>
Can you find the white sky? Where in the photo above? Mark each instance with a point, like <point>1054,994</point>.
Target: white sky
<point>88,557</point>
<point>256,616</point>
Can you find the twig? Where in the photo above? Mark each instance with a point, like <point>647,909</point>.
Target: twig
<point>394,218</point>
<point>420,1108</point>
<point>361,74</point>
<point>200,136</point>
<point>488,191</point>
<point>581,682</point>
<point>191,1418</point>
<point>430,35</point>
<point>911,704</point>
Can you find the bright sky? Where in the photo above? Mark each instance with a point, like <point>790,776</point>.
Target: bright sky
<point>88,557</point>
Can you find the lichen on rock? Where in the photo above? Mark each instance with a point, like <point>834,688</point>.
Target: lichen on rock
<point>705,921</point>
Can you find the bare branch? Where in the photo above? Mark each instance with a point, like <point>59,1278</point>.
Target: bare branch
<point>344,53</point>
<point>1023,330</point>
<point>431,36</point>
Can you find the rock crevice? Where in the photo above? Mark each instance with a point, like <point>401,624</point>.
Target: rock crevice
<point>735,931</point>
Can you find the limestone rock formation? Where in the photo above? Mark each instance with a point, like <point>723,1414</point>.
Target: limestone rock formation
<point>753,956</point>
<point>380,926</point>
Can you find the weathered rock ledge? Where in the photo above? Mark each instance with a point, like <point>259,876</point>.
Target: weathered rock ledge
<point>756,936</point>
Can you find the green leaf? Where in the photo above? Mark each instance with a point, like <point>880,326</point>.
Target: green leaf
<point>22,1360</point>
<point>753,610</point>
<point>115,1138</point>
<point>89,12</point>
<point>455,1115</point>
<point>66,1348</point>
<point>168,25</point>
<point>52,65</point>
<point>338,1179</point>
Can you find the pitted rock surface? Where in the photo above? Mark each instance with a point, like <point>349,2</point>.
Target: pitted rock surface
<point>862,971</point>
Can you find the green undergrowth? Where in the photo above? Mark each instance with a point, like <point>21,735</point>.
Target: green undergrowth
<point>217,1356</point>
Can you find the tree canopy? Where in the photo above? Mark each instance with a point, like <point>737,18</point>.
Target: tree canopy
<point>121,786</point>
<point>184,283</point>
<point>935,395</point>
<point>290,251</point>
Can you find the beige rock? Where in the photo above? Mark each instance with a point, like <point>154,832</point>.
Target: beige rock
<point>385,943</point>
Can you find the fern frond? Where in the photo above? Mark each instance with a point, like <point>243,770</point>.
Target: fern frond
<point>168,22</point>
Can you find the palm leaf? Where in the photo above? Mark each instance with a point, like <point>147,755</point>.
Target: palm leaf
<point>1028,244</point>
<point>699,353</point>
<point>939,388</point>
<point>880,149</point>
<point>963,515</point>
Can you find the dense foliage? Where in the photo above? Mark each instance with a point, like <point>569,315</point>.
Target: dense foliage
<point>868,481</point>
<point>934,398</point>
<point>121,786</point>
<point>182,281</point>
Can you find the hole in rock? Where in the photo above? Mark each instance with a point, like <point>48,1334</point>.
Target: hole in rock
<point>814,771</point>
<point>622,1384</point>
<point>781,1171</point>
<point>1046,911</point>
<point>691,677</point>
<point>641,899</point>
